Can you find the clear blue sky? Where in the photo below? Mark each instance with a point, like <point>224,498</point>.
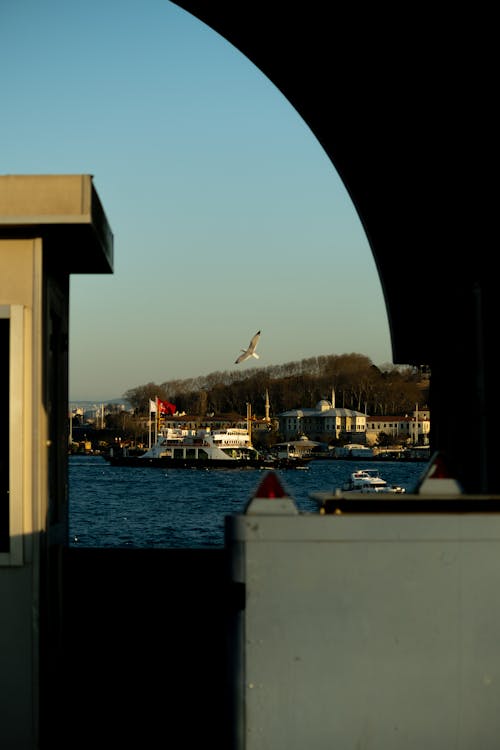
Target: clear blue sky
<point>227,215</point>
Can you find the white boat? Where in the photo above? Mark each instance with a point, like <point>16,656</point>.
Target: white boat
<point>361,481</point>
<point>202,448</point>
<point>368,480</point>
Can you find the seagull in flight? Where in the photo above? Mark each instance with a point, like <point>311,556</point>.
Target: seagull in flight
<point>250,352</point>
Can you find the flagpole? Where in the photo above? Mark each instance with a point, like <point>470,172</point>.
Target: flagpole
<point>153,409</point>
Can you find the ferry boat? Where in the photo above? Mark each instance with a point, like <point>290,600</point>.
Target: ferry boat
<point>203,448</point>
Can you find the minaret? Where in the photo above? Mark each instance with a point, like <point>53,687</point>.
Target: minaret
<point>267,419</point>
<point>333,398</point>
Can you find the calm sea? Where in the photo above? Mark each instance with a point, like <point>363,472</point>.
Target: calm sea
<point>132,507</point>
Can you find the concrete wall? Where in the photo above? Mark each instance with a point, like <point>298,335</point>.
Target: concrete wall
<point>371,631</point>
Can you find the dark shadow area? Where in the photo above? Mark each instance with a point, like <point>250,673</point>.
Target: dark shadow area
<point>145,649</point>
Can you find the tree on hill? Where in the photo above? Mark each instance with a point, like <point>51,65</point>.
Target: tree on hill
<point>357,383</point>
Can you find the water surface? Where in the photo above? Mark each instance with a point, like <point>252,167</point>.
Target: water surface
<point>112,506</point>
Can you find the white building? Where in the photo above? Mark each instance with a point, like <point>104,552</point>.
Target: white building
<point>324,422</point>
<point>414,429</point>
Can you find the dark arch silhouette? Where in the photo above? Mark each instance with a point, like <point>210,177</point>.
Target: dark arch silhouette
<point>401,102</point>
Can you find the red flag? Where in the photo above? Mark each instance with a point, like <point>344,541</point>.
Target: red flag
<point>165,407</point>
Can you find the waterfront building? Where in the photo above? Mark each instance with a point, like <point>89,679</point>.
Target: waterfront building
<point>324,422</point>
<point>412,429</point>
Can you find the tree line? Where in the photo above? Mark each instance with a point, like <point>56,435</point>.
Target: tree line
<point>388,390</point>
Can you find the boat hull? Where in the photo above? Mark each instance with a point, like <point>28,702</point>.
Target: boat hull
<point>139,462</point>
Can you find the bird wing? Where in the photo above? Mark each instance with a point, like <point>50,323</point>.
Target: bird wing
<point>253,342</point>
<point>248,352</point>
<point>242,357</point>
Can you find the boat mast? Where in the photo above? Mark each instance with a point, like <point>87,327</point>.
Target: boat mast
<point>249,422</point>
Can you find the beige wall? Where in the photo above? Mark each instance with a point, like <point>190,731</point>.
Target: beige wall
<point>17,261</point>
<point>21,286</point>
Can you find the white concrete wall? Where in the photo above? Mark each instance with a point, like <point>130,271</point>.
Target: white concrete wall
<point>368,631</point>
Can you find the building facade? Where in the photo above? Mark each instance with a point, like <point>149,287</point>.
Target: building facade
<point>412,430</point>
<point>326,423</point>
